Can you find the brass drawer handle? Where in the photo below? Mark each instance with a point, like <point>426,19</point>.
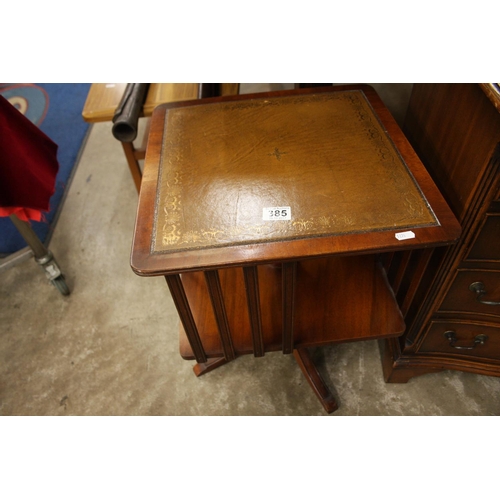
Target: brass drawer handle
<point>452,337</point>
<point>480,290</point>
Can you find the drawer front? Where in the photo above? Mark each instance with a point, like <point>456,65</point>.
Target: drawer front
<point>471,339</point>
<point>474,291</point>
<point>486,246</point>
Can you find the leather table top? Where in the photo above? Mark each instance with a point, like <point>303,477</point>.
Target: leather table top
<point>322,162</point>
<point>324,156</point>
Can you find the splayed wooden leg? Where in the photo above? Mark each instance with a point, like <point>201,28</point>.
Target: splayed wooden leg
<point>202,368</point>
<point>315,380</point>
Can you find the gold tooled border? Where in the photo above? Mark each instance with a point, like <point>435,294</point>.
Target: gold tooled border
<point>167,215</point>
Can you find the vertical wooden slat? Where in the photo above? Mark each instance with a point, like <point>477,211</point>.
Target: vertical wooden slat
<point>401,271</point>
<point>288,287</point>
<point>215,292</point>
<point>423,261</point>
<point>253,300</point>
<point>181,303</point>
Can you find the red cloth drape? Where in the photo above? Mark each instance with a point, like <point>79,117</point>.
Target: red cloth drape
<point>28,165</point>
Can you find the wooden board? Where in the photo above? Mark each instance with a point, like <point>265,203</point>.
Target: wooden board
<point>103,98</point>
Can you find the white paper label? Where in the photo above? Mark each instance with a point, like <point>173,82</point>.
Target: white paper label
<point>407,235</point>
<point>277,213</point>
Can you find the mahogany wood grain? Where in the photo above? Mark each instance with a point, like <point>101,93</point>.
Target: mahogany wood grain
<point>442,138</point>
<point>253,296</point>
<point>341,299</point>
<point>405,271</point>
<point>396,283</point>
<point>236,306</point>
<point>289,272</point>
<point>336,300</point>
<point>181,303</point>
<point>486,245</point>
<point>271,305</point>
<point>217,300</point>
<point>455,128</point>
<point>422,259</point>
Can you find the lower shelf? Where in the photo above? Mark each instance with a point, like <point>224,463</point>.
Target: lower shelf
<point>338,299</point>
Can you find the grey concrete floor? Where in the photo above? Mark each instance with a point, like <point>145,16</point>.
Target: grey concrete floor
<point>111,347</point>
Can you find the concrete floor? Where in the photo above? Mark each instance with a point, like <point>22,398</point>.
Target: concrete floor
<point>111,347</point>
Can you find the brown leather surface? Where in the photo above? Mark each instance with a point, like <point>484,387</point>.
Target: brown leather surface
<point>325,155</point>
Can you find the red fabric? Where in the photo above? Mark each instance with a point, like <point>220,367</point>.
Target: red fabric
<point>28,165</point>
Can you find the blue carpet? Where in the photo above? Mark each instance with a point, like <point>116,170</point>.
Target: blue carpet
<point>57,109</point>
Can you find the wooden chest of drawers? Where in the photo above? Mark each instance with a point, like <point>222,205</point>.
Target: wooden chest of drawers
<point>451,297</point>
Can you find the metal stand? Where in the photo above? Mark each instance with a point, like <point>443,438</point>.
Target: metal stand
<point>42,255</point>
